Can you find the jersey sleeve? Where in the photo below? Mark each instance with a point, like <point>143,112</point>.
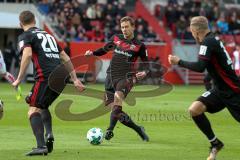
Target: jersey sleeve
<point>205,50</point>
<point>107,47</point>
<point>143,54</point>
<point>59,48</point>
<point>24,40</point>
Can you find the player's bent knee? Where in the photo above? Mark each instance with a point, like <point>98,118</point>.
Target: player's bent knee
<point>196,108</point>
<point>33,110</point>
<point>118,98</point>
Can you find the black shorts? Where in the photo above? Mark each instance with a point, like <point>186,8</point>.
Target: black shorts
<point>215,102</point>
<point>112,85</point>
<point>41,96</point>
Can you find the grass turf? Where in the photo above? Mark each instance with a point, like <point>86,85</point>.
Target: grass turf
<point>173,135</point>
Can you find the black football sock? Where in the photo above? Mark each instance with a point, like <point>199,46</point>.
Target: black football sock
<point>127,121</point>
<point>37,128</point>
<point>47,121</point>
<point>204,125</point>
<point>114,116</point>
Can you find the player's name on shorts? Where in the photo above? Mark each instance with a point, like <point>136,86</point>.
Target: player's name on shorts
<point>51,55</point>
<point>122,52</point>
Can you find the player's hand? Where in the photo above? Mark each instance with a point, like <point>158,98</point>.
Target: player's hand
<point>173,59</point>
<point>141,75</point>
<point>16,83</point>
<point>78,84</point>
<point>88,53</point>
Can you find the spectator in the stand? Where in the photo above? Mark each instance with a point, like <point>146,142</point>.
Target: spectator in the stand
<point>120,10</point>
<point>76,7</point>
<point>140,30</point>
<point>140,37</point>
<point>194,12</point>
<point>97,34</point>
<point>188,4</point>
<point>61,29</point>
<point>206,6</point>
<point>202,12</point>
<point>86,23</point>
<point>70,33</point>
<point>109,25</point>
<point>9,54</point>
<point>171,16</point>
<point>151,35</point>
<point>234,24</point>
<point>109,22</point>
<point>215,13</point>
<point>172,2</point>
<point>68,10</point>
<point>117,29</point>
<point>91,12</point>
<point>109,9</point>
<point>236,60</point>
<point>99,12</point>
<point>140,21</point>
<point>81,38</point>
<point>187,35</point>
<point>222,25</point>
<point>179,12</point>
<point>181,26</point>
<point>62,17</point>
<point>76,20</point>
<point>91,2</point>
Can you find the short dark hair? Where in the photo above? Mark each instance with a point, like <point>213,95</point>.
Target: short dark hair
<point>128,19</point>
<point>26,17</point>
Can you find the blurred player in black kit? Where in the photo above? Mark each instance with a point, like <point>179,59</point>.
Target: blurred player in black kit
<point>226,85</point>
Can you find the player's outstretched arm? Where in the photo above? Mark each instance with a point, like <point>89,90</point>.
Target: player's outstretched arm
<point>101,51</point>
<point>198,66</point>
<point>26,59</point>
<point>66,60</point>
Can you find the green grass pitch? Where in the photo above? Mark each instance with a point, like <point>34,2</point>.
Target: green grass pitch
<point>173,135</point>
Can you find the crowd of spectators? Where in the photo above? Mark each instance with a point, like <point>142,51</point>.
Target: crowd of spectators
<point>176,17</point>
<point>92,21</point>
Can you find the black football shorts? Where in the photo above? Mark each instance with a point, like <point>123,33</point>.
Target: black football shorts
<point>112,85</point>
<point>41,96</point>
<point>216,101</point>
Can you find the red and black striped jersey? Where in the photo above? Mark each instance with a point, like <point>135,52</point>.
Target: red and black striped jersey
<point>45,51</point>
<point>125,53</point>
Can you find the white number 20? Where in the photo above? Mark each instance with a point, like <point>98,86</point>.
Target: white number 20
<point>48,39</point>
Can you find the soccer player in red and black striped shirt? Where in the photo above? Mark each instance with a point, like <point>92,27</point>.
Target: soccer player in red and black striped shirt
<point>40,47</point>
<point>226,85</point>
<point>121,75</point>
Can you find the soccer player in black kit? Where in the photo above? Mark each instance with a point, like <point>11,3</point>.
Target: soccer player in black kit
<point>40,47</point>
<point>120,74</point>
<point>226,85</point>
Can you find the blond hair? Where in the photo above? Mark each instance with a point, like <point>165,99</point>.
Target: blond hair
<point>200,23</point>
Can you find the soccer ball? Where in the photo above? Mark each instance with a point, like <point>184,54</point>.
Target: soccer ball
<point>95,136</point>
<point>1,109</point>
